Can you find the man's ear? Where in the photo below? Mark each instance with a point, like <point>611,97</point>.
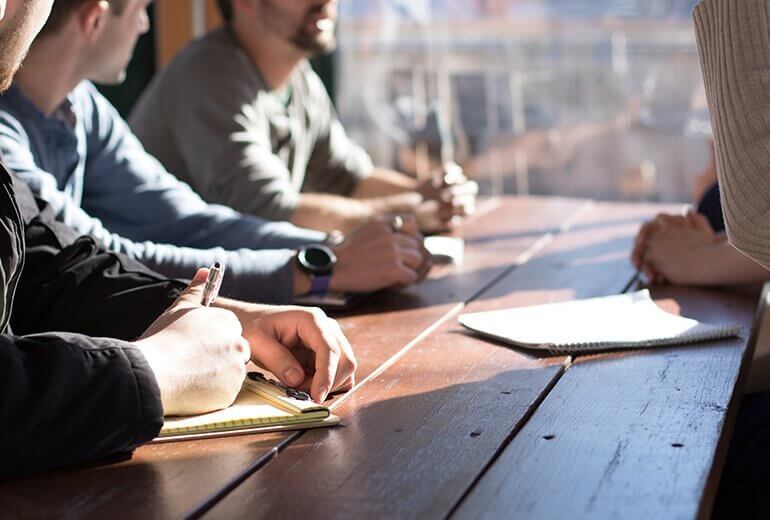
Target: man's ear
<point>92,16</point>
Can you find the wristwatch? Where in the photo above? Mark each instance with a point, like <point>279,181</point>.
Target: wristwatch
<point>318,261</point>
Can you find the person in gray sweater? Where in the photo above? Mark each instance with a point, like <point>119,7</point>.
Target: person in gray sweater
<point>240,116</point>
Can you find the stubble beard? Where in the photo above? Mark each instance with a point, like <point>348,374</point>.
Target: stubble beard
<point>315,44</point>
<point>13,46</point>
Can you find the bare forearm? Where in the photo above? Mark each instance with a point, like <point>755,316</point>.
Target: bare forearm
<point>329,212</point>
<point>728,266</point>
<point>383,182</point>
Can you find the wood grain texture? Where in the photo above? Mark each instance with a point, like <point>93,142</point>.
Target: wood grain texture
<point>172,479</point>
<point>417,436</point>
<point>495,243</point>
<point>159,481</point>
<point>631,435</point>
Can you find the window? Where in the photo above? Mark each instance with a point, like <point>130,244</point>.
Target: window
<point>590,98</point>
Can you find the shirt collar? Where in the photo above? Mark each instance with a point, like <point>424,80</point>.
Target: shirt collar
<point>64,114</point>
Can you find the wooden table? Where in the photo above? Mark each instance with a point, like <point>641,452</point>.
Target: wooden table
<point>444,424</point>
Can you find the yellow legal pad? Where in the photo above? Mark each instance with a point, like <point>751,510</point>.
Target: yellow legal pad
<point>262,405</point>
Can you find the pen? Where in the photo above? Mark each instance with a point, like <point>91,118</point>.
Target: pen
<point>213,283</point>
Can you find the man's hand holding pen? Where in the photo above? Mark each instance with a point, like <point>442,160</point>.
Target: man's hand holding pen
<point>213,338</point>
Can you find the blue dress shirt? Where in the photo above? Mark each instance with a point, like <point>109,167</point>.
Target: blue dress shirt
<point>88,165</point>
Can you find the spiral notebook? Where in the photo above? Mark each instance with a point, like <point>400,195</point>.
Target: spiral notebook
<point>262,405</point>
<point>625,321</point>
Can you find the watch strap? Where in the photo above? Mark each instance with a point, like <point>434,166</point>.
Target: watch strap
<point>320,284</point>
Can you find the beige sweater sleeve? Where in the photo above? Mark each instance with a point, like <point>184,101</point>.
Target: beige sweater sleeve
<point>734,45</point>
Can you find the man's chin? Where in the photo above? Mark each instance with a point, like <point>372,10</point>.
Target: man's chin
<point>115,78</point>
<point>316,44</point>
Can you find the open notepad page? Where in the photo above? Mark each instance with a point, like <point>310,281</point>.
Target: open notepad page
<point>445,250</point>
<point>623,321</point>
<point>260,406</point>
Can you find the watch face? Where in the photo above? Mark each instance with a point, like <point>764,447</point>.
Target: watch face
<point>317,259</point>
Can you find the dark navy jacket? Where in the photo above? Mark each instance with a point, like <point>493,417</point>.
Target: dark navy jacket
<point>72,389</point>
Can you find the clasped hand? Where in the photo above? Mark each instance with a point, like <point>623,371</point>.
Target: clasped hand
<point>674,248</point>
<point>447,197</point>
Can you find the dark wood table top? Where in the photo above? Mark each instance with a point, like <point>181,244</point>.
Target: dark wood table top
<point>443,424</point>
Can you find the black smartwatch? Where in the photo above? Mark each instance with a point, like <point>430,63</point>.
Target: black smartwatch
<point>318,261</point>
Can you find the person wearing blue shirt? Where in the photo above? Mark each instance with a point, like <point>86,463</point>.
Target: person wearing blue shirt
<point>80,379</point>
<point>68,143</point>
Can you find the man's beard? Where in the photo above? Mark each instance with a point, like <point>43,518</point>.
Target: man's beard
<point>304,38</point>
<point>315,43</point>
<point>13,45</point>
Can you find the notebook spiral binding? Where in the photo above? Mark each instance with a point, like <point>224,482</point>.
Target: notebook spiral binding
<point>694,337</point>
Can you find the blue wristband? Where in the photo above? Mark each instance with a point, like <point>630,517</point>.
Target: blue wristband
<point>320,284</point>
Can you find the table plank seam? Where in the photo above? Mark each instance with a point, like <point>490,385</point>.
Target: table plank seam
<point>568,363</point>
<point>630,286</point>
<point>509,438</point>
<point>401,353</point>
<point>538,246</point>
<point>720,453</point>
<point>209,502</point>
<point>713,476</point>
<point>728,426</point>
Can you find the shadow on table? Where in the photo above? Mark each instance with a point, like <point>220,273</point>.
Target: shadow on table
<point>479,399</point>
<point>156,481</point>
<point>410,454</point>
<point>173,484</point>
<point>584,268</point>
<point>527,353</point>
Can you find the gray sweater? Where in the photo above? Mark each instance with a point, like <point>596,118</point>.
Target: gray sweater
<point>734,45</point>
<point>211,118</point>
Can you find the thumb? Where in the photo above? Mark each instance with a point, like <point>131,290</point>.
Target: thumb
<point>194,292</point>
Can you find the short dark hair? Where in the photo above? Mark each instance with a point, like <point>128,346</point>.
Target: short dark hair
<point>63,9</point>
<point>226,10</point>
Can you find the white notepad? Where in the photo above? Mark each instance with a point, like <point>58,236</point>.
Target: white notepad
<point>445,250</point>
<point>613,322</point>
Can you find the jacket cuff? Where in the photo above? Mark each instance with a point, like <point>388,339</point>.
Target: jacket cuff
<point>149,406</point>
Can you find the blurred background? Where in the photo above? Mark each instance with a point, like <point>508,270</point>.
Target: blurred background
<point>587,98</point>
